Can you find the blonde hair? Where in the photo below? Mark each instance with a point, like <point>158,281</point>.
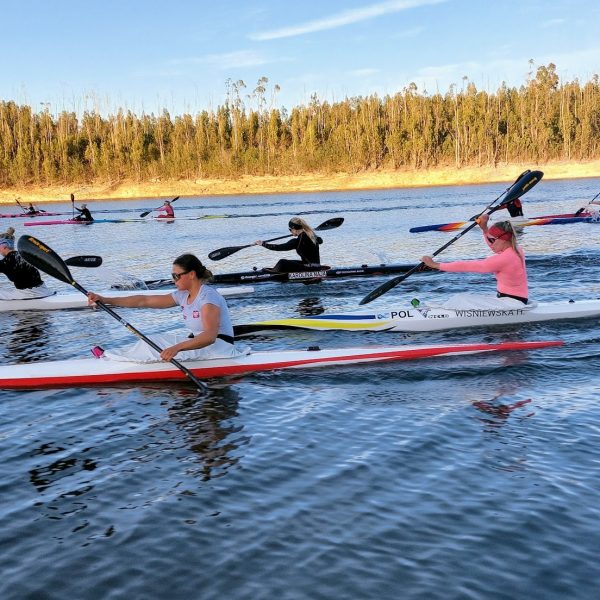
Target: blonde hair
<point>507,226</point>
<point>306,228</point>
<point>9,234</point>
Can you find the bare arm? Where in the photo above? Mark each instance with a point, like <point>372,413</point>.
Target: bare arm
<point>211,317</point>
<point>135,301</point>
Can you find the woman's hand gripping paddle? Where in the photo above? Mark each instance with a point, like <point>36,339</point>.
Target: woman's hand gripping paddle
<point>523,184</point>
<point>147,212</point>
<point>228,251</point>
<point>45,259</point>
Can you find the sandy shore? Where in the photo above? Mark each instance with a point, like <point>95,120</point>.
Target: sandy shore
<point>298,183</point>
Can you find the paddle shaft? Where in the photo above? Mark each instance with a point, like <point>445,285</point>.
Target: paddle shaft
<point>225,252</point>
<point>22,207</point>
<point>522,185</point>
<point>139,334</point>
<point>147,212</point>
<point>44,258</point>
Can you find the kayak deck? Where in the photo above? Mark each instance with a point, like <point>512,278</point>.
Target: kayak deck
<point>308,276</point>
<point>423,318</point>
<point>561,219</point>
<point>78,300</point>
<point>93,371</point>
<point>133,220</point>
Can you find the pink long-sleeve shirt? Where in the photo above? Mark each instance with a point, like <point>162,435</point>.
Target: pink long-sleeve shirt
<point>508,267</point>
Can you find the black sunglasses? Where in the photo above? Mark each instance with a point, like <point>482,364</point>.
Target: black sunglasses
<point>491,240</point>
<point>177,276</point>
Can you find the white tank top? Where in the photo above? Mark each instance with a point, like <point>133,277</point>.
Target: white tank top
<point>192,311</point>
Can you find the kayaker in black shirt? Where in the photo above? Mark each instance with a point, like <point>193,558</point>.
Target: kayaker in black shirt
<point>26,278</point>
<point>304,241</point>
<point>84,213</point>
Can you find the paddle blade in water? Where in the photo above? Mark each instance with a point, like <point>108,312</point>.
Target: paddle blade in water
<point>42,257</point>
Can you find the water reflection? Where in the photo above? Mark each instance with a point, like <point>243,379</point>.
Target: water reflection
<point>206,422</point>
<point>25,334</point>
<point>309,307</point>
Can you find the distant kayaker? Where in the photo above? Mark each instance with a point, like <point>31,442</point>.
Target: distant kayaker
<point>168,213</point>
<point>32,210</point>
<point>304,241</point>
<point>26,278</point>
<point>507,264</point>
<point>84,213</point>
<point>515,208</point>
<point>204,311</point>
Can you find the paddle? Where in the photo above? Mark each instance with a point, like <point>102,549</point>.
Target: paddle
<point>45,259</point>
<point>527,180</point>
<point>73,206</point>
<point>88,261</point>
<point>21,206</point>
<point>583,208</point>
<point>225,252</point>
<point>147,212</point>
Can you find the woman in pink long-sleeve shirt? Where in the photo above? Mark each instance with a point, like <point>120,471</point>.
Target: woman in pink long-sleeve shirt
<point>507,263</point>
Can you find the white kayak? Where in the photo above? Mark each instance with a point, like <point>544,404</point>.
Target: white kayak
<point>94,371</point>
<point>424,318</point>
<point>78,300</point>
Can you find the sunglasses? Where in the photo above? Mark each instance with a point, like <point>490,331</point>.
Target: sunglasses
<point>295,228</point>
<point>178,276</point>
<point>491,240</point>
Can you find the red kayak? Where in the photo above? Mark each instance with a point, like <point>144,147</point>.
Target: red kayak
<point>39,213</point>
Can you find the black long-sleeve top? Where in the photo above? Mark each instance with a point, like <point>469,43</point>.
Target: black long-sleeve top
<point>84,214</point>
<point>303,245</point>
<point>20,272</point>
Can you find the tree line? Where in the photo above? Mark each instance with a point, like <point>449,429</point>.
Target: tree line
<point>544,119</point>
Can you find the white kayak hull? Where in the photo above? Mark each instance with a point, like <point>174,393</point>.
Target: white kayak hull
<point>424,318</point>
<point>92,371</point>
<point>78,300</point>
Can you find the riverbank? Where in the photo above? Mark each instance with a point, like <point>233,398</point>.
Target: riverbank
<point>298,183</point>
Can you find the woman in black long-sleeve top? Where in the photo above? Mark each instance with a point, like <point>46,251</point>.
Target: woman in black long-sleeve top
<point>304,241</point>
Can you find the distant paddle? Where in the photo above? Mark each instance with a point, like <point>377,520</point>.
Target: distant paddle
<point>73,206</point>
<point>228,251</point>
<point>21,206</point>
<point>45,259</point>
<point>584,208</point>
<point>147,212</point>
<point>87,261</point>
<point>523,184</point>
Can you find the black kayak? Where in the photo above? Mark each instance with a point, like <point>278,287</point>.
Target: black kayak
<point>313,275</point>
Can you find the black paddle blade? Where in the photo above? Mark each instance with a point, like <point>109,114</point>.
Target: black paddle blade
<point>225,252</point>
<point>42,257</point>
<point>525,182</point>
<point>88,261</point>
<point>330,224</point>
<point>147,212</point>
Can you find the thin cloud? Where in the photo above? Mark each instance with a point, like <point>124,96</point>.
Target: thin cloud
<point>227,60</point>
<point>553,23</point>
<point>408,33</point>
<point>364,72</point>
<point>342,19</point>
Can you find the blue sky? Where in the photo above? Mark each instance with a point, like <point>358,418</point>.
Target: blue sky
<point>147,55</point>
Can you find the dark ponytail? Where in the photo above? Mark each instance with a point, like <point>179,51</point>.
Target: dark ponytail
<point>190,262</point>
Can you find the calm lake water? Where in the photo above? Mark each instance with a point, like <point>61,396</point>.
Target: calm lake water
<point>461,477</point>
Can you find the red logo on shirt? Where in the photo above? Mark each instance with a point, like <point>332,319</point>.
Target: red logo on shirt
<point>196,315</point>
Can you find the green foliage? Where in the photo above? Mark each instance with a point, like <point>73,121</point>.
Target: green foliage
<point>542,120</point>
